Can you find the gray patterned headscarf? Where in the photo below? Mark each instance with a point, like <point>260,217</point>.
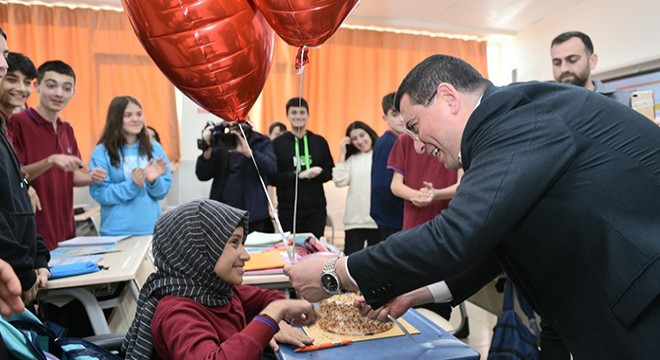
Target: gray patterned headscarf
<point>187,243</point>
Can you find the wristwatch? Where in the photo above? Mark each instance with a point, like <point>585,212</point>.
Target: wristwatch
<point>330,279</point>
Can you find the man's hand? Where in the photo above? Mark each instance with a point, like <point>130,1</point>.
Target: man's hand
<point>155,169</point>
<point>34,199</point>
<point>31,293</point>
<point>97,175</point>
<point>395,307</point>
<point>66,162</point>
<point>289,335</point>
<point>43,274</point>
<point>305,277</point>
<point>241,146</point>
<point>138,176</point>
<point>310,173</point>
<point>10,290</point>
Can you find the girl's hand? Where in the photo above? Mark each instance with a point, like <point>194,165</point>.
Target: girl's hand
<point>97,175</point>
<point>342,149</point>
<point>155,169</point>
<point>345,141</point>
<point>138,177</point>
<point>301,312</point>
<point>290,335</point>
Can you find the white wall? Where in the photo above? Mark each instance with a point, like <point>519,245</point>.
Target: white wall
<point>192,120</point>
<point>624,33</point>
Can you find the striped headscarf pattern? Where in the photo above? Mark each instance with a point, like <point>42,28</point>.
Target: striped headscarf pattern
<point>187,243</point>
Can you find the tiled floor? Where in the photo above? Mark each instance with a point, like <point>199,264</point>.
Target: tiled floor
<point>481,327</point>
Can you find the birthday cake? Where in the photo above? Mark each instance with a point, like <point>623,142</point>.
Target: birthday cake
<point>340,316</point>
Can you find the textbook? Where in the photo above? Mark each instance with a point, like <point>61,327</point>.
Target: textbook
<point>93,240</point>
<point>257,238</point>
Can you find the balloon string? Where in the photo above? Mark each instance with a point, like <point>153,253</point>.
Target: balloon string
<point>295,192</point>
<point>290,250</point>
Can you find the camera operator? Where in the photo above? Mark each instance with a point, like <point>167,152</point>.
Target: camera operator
<point>226,159</point>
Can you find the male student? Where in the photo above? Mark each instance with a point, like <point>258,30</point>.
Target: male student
<point>20,246</point>
<point>386,209</point>
<point>305,155</point>
<point>47,149</point>
<point>15,87</point>
<point>14,92</point>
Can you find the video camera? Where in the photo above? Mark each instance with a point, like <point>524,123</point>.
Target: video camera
<point>222,136</point>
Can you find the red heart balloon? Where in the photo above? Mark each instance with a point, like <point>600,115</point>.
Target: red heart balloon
<point>217,52</point>
<point>305,22</point>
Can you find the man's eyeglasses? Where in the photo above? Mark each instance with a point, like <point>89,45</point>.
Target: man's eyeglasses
<point>411,126</point>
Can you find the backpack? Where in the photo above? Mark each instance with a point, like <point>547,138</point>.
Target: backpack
<point>512,339</point>
<point>26,337</point>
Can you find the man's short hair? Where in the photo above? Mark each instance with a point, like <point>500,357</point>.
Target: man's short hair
<point>297,102</point>
<point>2,32</point>
<point>21,63</point>
<point>563,37</point>
<point>388,102</point>
<point>275,125</point>
<point>57,66</point>
<point>423,80</point>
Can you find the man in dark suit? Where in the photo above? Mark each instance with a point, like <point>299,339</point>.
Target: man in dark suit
<point>561,185</point>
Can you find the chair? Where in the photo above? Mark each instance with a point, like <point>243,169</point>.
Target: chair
<point>331,224</point>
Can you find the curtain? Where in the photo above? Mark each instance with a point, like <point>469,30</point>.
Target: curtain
<point>344,81</point>
<point>349,74</point>
<point>108,60</point>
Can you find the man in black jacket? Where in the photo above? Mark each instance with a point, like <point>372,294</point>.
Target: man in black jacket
<point>236,181</point>
<point>20,246</point>
<point>561,186</point>
<point>302,157</point>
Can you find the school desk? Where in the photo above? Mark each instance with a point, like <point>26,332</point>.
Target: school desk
<point>123,266</point>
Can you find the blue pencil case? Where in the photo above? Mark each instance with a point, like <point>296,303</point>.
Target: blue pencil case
<point>74,269</point>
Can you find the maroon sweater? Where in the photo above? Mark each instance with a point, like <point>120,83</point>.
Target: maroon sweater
<point>183,329</point>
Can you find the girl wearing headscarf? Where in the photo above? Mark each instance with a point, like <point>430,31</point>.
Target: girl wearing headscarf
<point>194,306</point>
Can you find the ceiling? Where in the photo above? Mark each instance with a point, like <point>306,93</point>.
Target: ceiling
<point>461,17</point>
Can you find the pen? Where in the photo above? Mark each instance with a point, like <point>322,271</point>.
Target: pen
<point>323,346</point>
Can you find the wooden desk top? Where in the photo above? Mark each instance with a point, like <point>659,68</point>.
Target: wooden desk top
<point>122,265</point>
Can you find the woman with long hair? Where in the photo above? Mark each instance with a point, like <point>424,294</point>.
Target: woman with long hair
<point>138,172</point>
<point>354,171</point>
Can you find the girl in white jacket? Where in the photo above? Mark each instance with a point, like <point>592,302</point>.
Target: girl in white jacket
<point>354,171</point>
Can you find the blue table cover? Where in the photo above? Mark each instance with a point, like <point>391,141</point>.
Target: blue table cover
<point>398,347</point>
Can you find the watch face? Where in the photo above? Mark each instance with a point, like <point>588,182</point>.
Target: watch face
<point>329,283</point>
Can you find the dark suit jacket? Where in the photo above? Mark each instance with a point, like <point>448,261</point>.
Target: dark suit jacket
<point>562,185</point>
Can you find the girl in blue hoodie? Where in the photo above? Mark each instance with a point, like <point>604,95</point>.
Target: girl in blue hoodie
<point>138,172</point>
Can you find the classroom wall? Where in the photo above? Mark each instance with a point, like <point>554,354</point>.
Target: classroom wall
<point>624,33</point>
